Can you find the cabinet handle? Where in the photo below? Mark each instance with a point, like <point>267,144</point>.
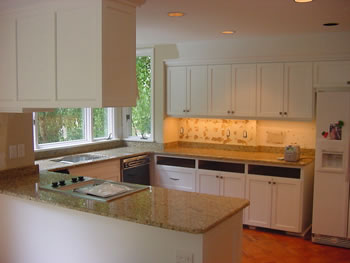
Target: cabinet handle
<point>348,82</point>
<point>269,182</point>
<point>228,112</point>
<point>217,176</point>
<point>184,110</point>
<point>274,183</point>
<point>174,179</point>
<point>188,110</point>
<point>222,177</point>
<point>232,112</point>
<point>281,113</point>
<point>285,113</point>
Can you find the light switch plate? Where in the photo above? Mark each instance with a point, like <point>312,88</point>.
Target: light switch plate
<point>21,150</point>
<point>13,151</point>
<point>184,256</point>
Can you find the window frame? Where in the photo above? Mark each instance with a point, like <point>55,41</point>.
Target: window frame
<point>140,52</point>
<point>87,131</point>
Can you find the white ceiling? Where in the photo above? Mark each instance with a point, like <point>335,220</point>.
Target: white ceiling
<point>205,19</point>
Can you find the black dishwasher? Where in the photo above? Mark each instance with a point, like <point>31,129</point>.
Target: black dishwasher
<point>136,170</point>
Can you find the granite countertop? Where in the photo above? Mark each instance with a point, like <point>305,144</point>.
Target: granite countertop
<point>159,207</point>
<point>228,155</point>
<point>241,156</point>
<point>110,154</point>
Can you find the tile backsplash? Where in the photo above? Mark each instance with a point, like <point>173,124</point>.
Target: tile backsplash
<point>247,132</point>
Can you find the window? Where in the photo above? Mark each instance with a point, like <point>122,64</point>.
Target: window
<point>138,121</point>
<point>63,127</point>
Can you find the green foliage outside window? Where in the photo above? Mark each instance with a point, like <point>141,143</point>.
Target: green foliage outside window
<point>100,122</point>
<point>141,114</point>
<point>60,125</point>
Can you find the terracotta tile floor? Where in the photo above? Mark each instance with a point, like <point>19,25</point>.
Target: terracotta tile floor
<point>260,246</point>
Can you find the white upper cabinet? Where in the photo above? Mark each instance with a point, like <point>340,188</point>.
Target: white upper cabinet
<point>177,90</point>
<point>270,90</point>
<point>244,90</point>
<point>298,94</point>
<point>220,90</point>
<point>332,74</point>
<point>68,54</point>
<point>285,90</point>
<point>77,74</point>
<point>197,90</point>
<point>187,91</point>
<point>8,84</point>
<point>36,57</point>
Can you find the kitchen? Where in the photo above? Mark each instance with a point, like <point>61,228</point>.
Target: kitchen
<point>260,131</point>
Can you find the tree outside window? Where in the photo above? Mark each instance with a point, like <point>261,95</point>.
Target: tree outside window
<point>141,114</point>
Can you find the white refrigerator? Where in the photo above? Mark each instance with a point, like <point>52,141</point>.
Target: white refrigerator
<point>331,211</point>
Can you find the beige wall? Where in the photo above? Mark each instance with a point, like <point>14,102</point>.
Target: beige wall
<point>16,129</point>
<point>161,52</point>
<point>230,132</point>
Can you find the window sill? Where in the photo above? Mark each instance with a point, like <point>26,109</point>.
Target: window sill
<point>137,139</point>
<point>52,152</point>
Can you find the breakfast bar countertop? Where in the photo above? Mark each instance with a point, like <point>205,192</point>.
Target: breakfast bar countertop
<point>170,209</point>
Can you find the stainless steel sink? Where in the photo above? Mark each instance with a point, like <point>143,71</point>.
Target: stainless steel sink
<point>80,158</point>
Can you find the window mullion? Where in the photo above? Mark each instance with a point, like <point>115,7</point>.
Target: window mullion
<point>88,124</point>
<point>35,131</point>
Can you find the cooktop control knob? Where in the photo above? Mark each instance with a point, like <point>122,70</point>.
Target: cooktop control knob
<point>81,178</point>
<point>54,184</point>
<point>74,179</point>
<point>63,182</point>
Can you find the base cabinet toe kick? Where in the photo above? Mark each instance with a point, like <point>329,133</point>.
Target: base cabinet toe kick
<point>280,196</point>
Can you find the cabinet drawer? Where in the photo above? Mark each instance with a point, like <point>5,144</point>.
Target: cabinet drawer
<point>175,161</point>
<point>176,178</point>
<point>277,171</point>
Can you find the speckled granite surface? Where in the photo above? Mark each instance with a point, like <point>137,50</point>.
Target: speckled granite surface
<point>159,207</point>
<point>239,156</point>
<point>194,152</point>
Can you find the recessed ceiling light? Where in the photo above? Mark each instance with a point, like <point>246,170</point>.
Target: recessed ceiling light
<point>331,24</point>
<point>228,32</point>
<point>302,1</point>
<point>175,14</point>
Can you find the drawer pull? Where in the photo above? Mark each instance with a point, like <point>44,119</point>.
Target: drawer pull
<point>174,179</point>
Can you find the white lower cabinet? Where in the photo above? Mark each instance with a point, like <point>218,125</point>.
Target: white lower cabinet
<point>274,202</point>
<point>178,178</point>
<point>220,183</point>
<point>258,192</point>
<point>280,196</point>
<point>286,205</point>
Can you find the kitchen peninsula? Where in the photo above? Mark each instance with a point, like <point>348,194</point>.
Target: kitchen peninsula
<point>155,225</point>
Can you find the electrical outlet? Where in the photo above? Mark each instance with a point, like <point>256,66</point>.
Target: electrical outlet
<point>184,256</point>
<point>13,151</point>
<point>21,150</point>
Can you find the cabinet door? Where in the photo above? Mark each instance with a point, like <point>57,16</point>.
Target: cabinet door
<point>286,213</point>
<point>8,69</point>
<point>233,184</point>
<point>105,170</point>
<point>332,74</point>
<point>270,90</point>
<point>77,54</point>
<point>244,90</point>
<point>175,178</point>
<point>36,57</point>
<point>219,81</point>
<point>258,192</point>
<point>298,95</point>
<point>208,182</point>
<point>177,90</point>
<point>197,91</point>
